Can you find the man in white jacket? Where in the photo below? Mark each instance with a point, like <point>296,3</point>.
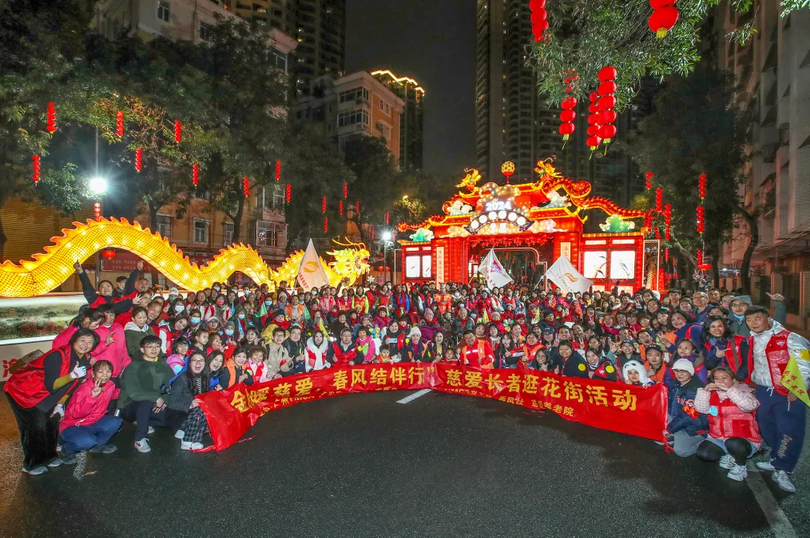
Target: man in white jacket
<point>781,415</point>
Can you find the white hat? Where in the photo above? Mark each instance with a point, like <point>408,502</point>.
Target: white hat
<point>638,367</point>
<point>685,365</point>
<point>414,332</point>
<point>173,291</point>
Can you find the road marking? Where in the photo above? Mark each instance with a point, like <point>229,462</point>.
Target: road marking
<point>412,397</point>
<point>780,524</point>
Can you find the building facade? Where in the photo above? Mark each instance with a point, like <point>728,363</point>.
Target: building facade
<point>411,132</point>
<point>357,104</point>
<point>773,70</point>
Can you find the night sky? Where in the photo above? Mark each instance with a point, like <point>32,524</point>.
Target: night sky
<point>432,41</point>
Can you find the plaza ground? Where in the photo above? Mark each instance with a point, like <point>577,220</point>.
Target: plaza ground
<point>366,466</point>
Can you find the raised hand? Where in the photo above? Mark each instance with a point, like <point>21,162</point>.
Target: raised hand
<point>96,392</point>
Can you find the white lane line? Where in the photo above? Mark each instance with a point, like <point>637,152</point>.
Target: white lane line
<point>780,524</point>
<point>412,397</point>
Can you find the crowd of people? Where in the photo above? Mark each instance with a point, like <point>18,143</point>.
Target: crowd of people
<point>135,354</point>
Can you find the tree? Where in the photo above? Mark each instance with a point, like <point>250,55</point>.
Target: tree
<point>586,35</point>
<point>696,129</point>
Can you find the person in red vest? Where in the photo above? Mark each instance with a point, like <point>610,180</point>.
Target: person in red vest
<point>343,352</point>
<point>38,392</point>
<point>781,418</point>
<point>476,353</point>
<point>733,431</point>
<point>105,294</point>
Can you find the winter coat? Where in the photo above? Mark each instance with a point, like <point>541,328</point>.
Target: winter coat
<point>682,413</point>
<point>116,352</point>
<point>84,410</point>
<point>143,381</point>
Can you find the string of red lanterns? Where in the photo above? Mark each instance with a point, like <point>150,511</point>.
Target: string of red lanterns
<point>357,207</point>
<point>278,170</point>
<point>35,172</point>
<point>195,174</point>
<point>119,124</point>
<point>178,131</point>
<point>97,211</point>
<point>567,116</point>
<point>288,196</point>
<point>659,199</point>
<point>387,218</point>
<point>138,159</point>
<point>702,186</point>
<point>323,205</point>
<point>539,18</point>
<point>51,118</point>
<point>326,224</point>
<point>593,140</point>
<point>246,186</point>
<point>340,207</point>
<point>345,190</point>
<point>667,221</point>
<point>663,18</point>
<point>648,177</point>
<point>607,103</point>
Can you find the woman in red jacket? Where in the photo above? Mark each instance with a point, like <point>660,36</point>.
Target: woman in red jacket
<point>37,394</point>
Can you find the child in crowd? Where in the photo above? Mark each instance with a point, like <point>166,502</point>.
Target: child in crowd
<point>214,368</point>
<point>236,370</point>
<point>177,360</point>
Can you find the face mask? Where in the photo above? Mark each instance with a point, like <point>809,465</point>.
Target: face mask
<point>268,302</point>
<point>216,289</point>
<point>241,316</point>
<point>195,320</point>
<point>179,308</point>
<point>229,332</point>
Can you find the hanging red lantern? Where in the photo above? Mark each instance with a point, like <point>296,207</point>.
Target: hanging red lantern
<point>326,225</point>
<point>702,186</point>
<point>97,211</point>
<point>607,88</point>
<point>667,221</point>
<point>701,219</point>
<point>568,116</point>
<point>357,207</point>
<point>607,73</point>
<point>119,124</point>
<point>289,193</point>
<point>666,253</point>
<point>539,20</point>
<point>658,233</point>
<point>387,218</point>
<point>569,102</point>
<point>278,170</point>
<point>323,205</point>
<point>178,131</point>
<point>607,102</point>
<point>195,174</point>
<point>35,172</point>
<point>138,159</point>
<point>607,116</point>
<point>593,142</point>
<point>246,186</point>
<point>345,190</point>
<point>647,221</point>
<point>340,207</point>
<point>607,132</point>
<point>51,118</point>
<point>659,199</point>
<point>648,177</point>
<point>663,18</point>
<point>566,129</point>
<point>108,253</point>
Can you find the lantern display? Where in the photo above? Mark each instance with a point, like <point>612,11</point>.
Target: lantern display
<point>345,190</point>
<point>701,219</point>
<point>195,174</point>
<point>138,159</point>
<point>288,196</point>
<point>246,186</point>
<point>606,104</point>
<point>648,176</point>
<point>371,231</point>
<point>702,186</point>
<point>35,165</point>
<point>119,124</point>
<point>663,18</point>
<point>278,170</point>
<point>667,221</point>
<point>539,17</point>
<point>647,221</point>
<point>108,253</point>
<point>340,207</point>
<point>326,225</point>
<point>51,118</point>
<point>178,131</point>
<point>323,205</point>
<point>97,211</point>
<point>659,199</point>
<point>387,218</point>
<point>568,115</point>
<point>507,169</point>
<point>593,140</point>
<point>357,206</point>
<point>666,253</point>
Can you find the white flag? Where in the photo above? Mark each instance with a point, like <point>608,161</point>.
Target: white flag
<point>493,271</point>
<point>310,272</point>
<point>567,277</point>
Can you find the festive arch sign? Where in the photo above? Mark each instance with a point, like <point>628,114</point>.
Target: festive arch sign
<point>50,269</point>
<point>611,406</point>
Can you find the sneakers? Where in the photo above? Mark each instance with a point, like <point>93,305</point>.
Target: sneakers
<point>56,462</point>
<point>68,459</point>
<point>738,472</point>
<point>179,434</point>
<point>185,445</point>
<point>727,462</point>
<point>783,480</point>
<point>150,431</point>
<point>765,466</point>
<point>36,471</point>
<point>142,446</point>
<point>104,449</point>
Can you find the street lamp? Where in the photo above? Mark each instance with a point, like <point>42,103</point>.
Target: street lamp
<point>98,186</point>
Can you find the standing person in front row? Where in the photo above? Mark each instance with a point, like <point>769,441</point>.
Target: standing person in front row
<point>781,415</point>
<point>37,393</point>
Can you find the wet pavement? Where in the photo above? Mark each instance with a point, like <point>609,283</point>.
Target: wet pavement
<point>364,465</point>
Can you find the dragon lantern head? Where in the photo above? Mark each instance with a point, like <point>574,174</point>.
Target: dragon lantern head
<point>351,262</point>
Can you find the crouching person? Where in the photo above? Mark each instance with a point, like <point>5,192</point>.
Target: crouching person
<point>733,431</point>
<point>141,399</point>
<point>86,425</point>
<point>687,427</point>
<point>184,412</point>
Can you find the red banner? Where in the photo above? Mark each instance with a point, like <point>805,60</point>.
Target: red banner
<point>601,404</point>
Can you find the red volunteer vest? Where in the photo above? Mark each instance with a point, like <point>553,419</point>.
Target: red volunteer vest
<point>731,421</point>
<point>27,386</point>
<point>778,356</point>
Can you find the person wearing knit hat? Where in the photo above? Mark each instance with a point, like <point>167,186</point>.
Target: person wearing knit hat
<point>687,428</point>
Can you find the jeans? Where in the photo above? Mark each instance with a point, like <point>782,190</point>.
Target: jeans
<point>81,438</point>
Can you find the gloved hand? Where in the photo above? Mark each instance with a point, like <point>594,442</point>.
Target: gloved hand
<point>59,410</point>
<point>78,371</point>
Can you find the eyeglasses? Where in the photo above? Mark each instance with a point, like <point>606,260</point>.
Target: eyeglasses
<point>197,360</point>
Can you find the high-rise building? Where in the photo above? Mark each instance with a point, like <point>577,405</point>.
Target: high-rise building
<point>357,104</point>
<point>411,129</point>
<point>512,120</point>
<point>771,70</point>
